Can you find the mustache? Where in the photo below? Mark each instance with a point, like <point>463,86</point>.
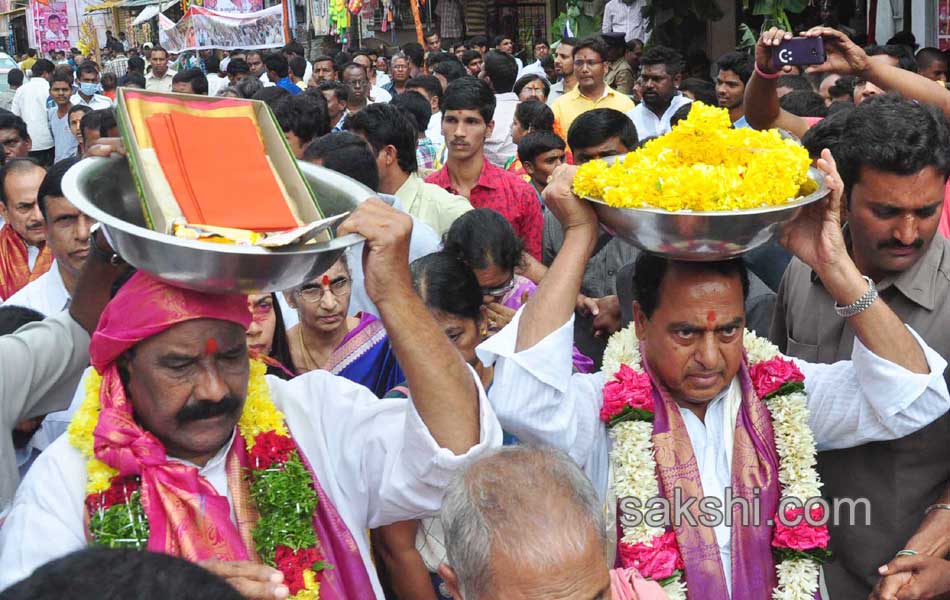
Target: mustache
<point>203,409</point>
<point>893,243</point>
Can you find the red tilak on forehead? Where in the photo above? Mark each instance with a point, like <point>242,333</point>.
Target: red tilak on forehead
<point>326,280</point>
<point>211,346</point>
<point>711,316</point>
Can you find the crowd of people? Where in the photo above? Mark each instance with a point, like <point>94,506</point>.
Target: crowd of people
<point>442,387</point>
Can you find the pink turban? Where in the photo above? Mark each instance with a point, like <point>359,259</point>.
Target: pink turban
<point>146,306</point>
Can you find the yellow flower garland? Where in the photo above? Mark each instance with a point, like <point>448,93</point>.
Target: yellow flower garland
<point>259,416</point>
<point>703,164</point>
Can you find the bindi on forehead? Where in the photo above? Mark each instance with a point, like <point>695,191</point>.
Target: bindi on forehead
<point>211,346</point>
<point>326,280</point>
<point>711,316</point>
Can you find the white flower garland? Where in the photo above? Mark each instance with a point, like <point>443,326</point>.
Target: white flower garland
<point>634,465</point>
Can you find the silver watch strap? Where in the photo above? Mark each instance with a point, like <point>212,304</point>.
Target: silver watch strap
<point>861,304</point>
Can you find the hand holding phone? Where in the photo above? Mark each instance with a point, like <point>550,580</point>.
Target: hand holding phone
<point>799,51</point>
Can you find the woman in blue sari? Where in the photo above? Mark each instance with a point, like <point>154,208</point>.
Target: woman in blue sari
<point>355,347</point>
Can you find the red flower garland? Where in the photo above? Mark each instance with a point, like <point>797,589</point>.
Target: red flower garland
<point>120,488</point>
<point>768,376</point>
<point>293,563</point>
<point>270,447</point>
<point>656,562</point>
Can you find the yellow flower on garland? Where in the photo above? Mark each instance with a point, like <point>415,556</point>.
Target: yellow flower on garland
<point>311,589</point>
<point>259,414</point>
<point>703,164</point>
<point>80,432</point>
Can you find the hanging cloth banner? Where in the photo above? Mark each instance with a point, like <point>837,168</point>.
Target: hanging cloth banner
<point>203,29</point>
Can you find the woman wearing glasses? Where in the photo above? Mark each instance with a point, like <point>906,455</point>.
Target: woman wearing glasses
<point>355,347</point>
<point>486,242</point>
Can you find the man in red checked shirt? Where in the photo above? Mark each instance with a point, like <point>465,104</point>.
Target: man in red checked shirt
<point>468,108</point>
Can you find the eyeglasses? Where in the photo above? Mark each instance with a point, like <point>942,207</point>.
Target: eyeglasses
<point>314,293</point>
<point>580,64</point>
<point>498,292</point>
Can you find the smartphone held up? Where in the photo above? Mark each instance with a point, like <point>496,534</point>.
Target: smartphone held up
<point>799,51</point>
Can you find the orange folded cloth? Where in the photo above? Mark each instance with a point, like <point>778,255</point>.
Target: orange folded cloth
<point>218,171</point>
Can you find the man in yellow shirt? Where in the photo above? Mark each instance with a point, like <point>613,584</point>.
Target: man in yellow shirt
<point>27,63</point>
<point>590,67</point>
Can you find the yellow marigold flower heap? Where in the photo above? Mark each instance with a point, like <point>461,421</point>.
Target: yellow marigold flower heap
<point>703,164</point>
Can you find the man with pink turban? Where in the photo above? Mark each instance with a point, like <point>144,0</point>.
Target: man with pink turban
<point>184,436</point>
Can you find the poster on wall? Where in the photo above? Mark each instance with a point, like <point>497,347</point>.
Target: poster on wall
<point>234,6</point>
<point>943,24</point>
<point>50,25</point>
<point>203,29</point>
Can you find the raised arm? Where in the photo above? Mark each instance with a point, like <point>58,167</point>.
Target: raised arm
<point>554,302</point>
<point>762,109</point>
<point>816,238</point>
<point>443,389</point>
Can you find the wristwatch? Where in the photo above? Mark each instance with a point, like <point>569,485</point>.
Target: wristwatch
<point>861,304</point>
<point>104,255</point>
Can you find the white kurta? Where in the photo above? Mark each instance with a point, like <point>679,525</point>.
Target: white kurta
<point>538,400</point>
<point>374,458</point>
<point>46,294</point>
<point>648,124</point>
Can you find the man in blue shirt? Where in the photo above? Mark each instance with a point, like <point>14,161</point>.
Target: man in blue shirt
<point>278,71</point>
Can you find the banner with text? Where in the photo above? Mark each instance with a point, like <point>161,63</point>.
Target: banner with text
<point>203,29</point>
<point>50,26</point>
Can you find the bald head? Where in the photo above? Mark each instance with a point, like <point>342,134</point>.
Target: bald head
<point>524,523</point>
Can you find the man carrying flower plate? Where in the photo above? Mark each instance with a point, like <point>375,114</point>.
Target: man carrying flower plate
<point>183,446</point>
<point>691,410</point>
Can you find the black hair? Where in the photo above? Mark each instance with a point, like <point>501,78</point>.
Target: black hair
<point>427,82</point>
<point>502,70</point>
<point>526,79</point>
<point>470,55</point>
<point>15,165</point>
<point>844,87</point>
<point>839,107</point>
<point>15,78</point>
<point>298,66</point>
<point>78,108</point>
<point>447,284</point>
<point>827,132</point>
<point>87,67</point>
<point>797,83</point>
<point>194,77</point>
<point>537,143</point>
<point>98,572</point>
<point>280,346</point>
<point>212,64</point>
<point>662,55</point>
<point>136,64</point>
<point>13,317</point>
<point>804,104</point>
<point>277,62</point>
<point>294,48</point>
<point>414,52</point>
<point>469,93</point>
<point>109,81</point>
<point>305,115</point>
<point>595,127</point>
<point>64,76</point>
<point>31,52</point>
<point>927,56</point>
<point>904,38</point>
<point>429,33</point>
<point>678,115</point>
<point>739,63</point>
<point>702,90</point>
<point>52,186</point>
<point>650,270</point>
<point>135,79</point>
<point>889,134</point>
<point>569,41</point>
<point>237,66</point>
<point>323,58</point>
<point>482,235</point>
<point>416,105</point>
<point>434,58</point>
<point>535,115</point>
<point>91,120</point>
<point>42,67</point>
<point>478,40</point>
<point>248,87</point>
<point>339,89</point>
<point>451,70</point>
<point>498,39</point>
<point>107,121</point>
<point>269,95</point>
<point>903,54</point>
<point>384,125</point>
<point>592,43</point>
<point>346,153</point>
<point>8,120</point>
